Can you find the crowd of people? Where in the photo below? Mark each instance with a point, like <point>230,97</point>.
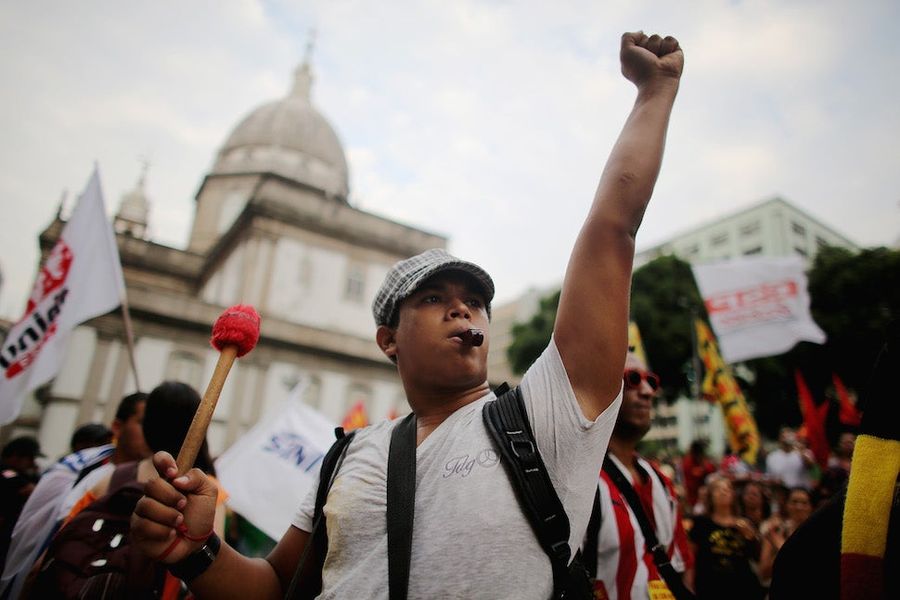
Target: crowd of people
<point>738,516</point>
<point>721,521</point>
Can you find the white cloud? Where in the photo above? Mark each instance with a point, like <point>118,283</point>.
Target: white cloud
<point>481,120</point>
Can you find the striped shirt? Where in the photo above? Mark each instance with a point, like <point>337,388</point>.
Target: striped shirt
<point>624,566</point>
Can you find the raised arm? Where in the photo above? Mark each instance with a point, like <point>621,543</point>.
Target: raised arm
<point>591,329</point>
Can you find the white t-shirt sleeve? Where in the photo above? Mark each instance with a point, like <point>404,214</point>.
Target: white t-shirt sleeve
<point>571,446</point>
<point>303,518</point>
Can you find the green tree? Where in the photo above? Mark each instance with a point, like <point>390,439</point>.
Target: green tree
<point>664,300</point>
<point>854,296</point>
<point>530,338</point>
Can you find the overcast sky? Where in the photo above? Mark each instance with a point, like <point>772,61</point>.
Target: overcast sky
<point>487,121</point>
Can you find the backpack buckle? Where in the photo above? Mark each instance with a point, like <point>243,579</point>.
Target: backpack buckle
<point>660,555</point>
<point>561,551</point>
<point>526,447</point>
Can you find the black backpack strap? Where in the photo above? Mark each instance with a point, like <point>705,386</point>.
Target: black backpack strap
<point>90,469</point>
<point>318,537</point>
<point>507,423</point>
<point>592,537</point>
<point>659,552</point>
<point>401,501</point>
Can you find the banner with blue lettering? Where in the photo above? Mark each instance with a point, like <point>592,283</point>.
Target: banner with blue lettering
<point>269,470</point>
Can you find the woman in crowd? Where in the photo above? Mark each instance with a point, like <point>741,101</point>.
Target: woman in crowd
<point>724,543</point>
<point>776,530</point>
<point>754,503</point>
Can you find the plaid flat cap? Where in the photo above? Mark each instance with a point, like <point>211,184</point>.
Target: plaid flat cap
<point>406,276</point>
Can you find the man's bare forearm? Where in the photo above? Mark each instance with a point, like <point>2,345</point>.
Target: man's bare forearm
<point>232,575</point>
<point>629,177</point>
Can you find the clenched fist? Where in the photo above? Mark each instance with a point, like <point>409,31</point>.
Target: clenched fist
<point>647,60</point>
<point>173,507</point>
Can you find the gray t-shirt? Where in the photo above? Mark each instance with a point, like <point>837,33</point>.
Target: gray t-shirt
<point>470,538</point>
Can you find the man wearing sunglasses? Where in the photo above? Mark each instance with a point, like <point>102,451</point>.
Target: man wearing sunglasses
<point>625,565</point>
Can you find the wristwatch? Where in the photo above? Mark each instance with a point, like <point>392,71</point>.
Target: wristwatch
<point>194,565</point>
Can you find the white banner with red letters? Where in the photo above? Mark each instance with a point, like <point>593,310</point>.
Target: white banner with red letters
<point>270,469</point>
<point>80,279</point>
<point>758,306</point>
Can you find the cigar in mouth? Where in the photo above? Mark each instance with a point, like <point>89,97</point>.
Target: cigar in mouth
<point>472,337</point>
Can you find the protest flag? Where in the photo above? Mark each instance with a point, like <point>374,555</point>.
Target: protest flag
<point>813,419</point>
<point>849,415</point>
<point>355,418</point>
<point>270,469</point>
<point>80,279</point>
<point>757,306</point>
<point>719,385</point>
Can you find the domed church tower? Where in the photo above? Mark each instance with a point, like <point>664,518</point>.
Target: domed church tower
<point>287,139</point>
<point>272,228</point>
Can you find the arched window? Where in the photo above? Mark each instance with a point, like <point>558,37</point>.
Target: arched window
<point>186,367</point>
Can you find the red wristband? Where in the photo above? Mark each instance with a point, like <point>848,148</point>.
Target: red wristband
<point>181,531</point>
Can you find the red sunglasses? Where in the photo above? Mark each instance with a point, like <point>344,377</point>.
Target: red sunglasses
<point>634,377</point>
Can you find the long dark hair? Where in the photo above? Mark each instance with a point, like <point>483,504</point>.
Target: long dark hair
<point>167,417</point>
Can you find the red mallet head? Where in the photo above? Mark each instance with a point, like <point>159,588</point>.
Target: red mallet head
<point>238,326</point>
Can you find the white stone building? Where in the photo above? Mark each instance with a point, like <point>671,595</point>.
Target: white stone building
<point>773,227</point>
<point>272,228</point>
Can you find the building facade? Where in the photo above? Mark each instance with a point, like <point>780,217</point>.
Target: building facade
<point>773,227</point>
<point>272,228</point>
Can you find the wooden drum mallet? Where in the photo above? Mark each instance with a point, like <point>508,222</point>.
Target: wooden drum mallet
<point>234,334</point>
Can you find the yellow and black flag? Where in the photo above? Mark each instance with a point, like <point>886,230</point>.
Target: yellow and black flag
<point>719,385</point>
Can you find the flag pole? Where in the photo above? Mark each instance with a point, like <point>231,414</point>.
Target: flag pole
<point>695,358</point>
<point>129,339</point>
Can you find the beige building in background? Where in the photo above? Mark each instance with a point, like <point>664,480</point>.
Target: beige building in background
<point>272,228</point>
<point>773,227</point>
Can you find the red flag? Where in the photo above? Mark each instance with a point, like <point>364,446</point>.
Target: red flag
<point>813,420</point>
<point>849,415</point>
<point>356,417</point>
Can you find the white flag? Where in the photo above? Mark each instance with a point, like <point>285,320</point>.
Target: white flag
<point>269,471</point>
<point>81,279</point>
<point>757,306</point>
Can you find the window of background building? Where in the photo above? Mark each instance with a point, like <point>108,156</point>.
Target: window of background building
<point>313,392</point>
<point>718,240</point>
<point>357,393</point>
<point>798,228</point>
<point>692,250</point>
<point>750,228</point>
<point>186,367</point>
<point>821,242</point>
<point>305,271</point>
<point>801,251</point>
<point>753,250</point>
<point>356,282</point>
